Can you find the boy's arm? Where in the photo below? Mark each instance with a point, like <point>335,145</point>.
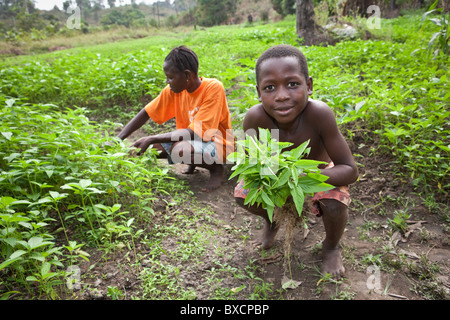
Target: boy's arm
<point>345,170</point>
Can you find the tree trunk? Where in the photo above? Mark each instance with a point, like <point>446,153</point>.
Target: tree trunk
<point>306,24</point>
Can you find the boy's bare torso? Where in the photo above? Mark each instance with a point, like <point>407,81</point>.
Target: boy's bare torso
<point>307,126</point>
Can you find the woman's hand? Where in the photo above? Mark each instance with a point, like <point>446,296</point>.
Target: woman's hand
<point>143,144</point>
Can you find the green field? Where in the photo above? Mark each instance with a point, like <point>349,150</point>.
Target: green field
<point>66,198</point>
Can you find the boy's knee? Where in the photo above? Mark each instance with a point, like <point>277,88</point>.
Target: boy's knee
<point>331,206</point>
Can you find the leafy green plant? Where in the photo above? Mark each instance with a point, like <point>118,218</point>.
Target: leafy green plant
<point>47,279</point>
<point>62,173</point>
<point>114,293</point>
<point>84,190</point>
<point>272,175</point>
<point>439,39</point>
<point>399,221</point>
<point>74,248</point>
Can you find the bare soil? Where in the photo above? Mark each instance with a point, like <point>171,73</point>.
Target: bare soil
<point>381,264</point>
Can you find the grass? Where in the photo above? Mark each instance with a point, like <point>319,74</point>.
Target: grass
<point>64,194</point>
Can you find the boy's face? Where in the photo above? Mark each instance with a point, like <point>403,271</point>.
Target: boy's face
<point>176,79</point>
<point>283,89</point>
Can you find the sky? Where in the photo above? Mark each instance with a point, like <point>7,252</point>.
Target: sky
<point>49,4</point>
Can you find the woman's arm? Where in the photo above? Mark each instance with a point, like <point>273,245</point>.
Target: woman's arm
<point>138,121</point>
<point>173,136</point>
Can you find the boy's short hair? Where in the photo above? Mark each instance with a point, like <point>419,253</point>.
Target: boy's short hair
<point>281,51</point>
<point>183,58</point>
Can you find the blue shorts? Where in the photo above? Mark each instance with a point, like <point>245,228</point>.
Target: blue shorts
<point>207,149</point>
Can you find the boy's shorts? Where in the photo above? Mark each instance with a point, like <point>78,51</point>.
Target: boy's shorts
<point>207,149</point>
<point>340,194</point>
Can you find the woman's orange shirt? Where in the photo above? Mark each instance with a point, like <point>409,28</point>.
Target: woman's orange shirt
<point>205,111</point>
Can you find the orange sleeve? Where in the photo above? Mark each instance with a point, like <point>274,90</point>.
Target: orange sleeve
<point>161,109</point>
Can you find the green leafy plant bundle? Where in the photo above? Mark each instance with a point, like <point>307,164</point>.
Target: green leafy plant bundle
<point>273,175</point>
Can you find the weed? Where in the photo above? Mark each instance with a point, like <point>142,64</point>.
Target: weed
<point>114,293</point>
<point>325,279</point>
<point>399,221</point>
<point>427,283</point>
<point>369,259</point>
<point>345,294</point>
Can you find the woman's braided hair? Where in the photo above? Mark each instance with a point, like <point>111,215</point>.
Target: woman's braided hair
<point>183,58</point>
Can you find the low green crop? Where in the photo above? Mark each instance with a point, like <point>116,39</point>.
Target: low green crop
<point>57,176</point>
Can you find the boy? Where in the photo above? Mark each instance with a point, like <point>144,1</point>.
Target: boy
<point>202,118</point>
<point>284,87</point>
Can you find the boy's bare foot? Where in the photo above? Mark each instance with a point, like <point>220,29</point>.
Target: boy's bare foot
<point>215,179</point>
<point>332,263</point>
<point>268,236</point>
<point>190,169</point>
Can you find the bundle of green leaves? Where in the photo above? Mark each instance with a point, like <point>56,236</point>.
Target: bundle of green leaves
<point>272,175</point>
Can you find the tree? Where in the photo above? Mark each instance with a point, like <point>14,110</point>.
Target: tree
<point>66,5</point>
<point>13,7</point>
<point>306,23</point>
<point>134,17</point>
<point>129,18</point>
<point>97,7</point>
<point>215,12</point>
<point>283,7</point>
<point>114,17</point>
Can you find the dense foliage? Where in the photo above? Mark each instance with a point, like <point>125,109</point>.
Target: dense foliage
<point>60,184</point>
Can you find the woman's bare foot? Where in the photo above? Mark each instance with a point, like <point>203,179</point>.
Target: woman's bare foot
<point>215,179</point>
<point>332,263</point>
